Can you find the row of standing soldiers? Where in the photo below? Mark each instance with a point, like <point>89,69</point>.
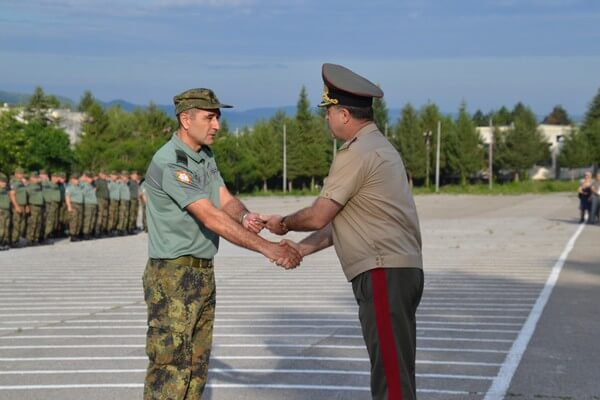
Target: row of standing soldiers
<point>38,208</point>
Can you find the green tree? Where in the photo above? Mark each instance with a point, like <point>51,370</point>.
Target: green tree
<point>481,119</point>
<point>264,145</point>
<point>381,114</point>
<point>558,116</point>
<point>47,147</point>
<point>13,142</point>
<point>502,117</point>
<point>522,145</point>
<point>408,139</point>
<point>86,101</point>
<point>429,117</point>
<point>307,144</point>
<point>591,127</point>
<point>465,152</point>
<point>576,151</point>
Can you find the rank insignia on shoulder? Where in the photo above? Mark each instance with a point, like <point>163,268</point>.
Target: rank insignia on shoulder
<point>183,177</point>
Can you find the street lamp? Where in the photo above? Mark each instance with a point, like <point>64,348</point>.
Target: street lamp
<point>427,135</point>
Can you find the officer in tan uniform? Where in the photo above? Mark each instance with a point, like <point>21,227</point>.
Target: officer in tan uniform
<point>366,210</point>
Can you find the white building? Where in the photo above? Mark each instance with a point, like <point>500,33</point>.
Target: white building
<point>554,135</point>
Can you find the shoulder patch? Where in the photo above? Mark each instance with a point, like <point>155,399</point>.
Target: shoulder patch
<point>183,177</point>
<point>181,157</point>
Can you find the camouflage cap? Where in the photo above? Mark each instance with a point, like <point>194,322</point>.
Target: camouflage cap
<point>19,170</point>
<point>3,177</point>
<point>346,88</point>
<point>60,174</point>
<point>74,175</point>
<point>43,172</point>
<point>197,98</point>
<point>33,174</point>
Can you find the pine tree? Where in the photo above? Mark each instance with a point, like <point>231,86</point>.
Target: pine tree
<point>465,153</point>
<point>558,116</point>
<point>521,146</point>
<point>380,114</point>
<point>408,139</point>
<point>576,151</point>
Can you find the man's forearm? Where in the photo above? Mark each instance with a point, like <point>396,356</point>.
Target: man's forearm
<point>235,209</point>
<point>316,241</point>
<point>224,225</point>
<point>302,220</point>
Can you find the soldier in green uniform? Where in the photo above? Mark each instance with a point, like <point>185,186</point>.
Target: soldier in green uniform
<point>63,214</point>
<point>143,200</point>
<point>134,193</point>
<point>188,208</point>
<point>18,198</point>
<point>114,194</point>
<point>125,199</point>
<point>36,209</point>
<point>5,219</point>
<point>74,201</point>
<point>51,195</point>
<point>366,210</point>
<point>102,195</point>
<point>90,205</point>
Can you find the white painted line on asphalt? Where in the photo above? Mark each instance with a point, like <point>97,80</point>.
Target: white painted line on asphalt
<point>231,335</point>
<point>501,383</point>
<point>244,345</point>
<point>321,371</point>
<point>75,386</point>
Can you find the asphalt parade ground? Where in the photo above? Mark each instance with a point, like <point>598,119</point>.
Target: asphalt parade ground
<point>509,311</point>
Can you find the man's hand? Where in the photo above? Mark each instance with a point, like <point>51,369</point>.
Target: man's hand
<point>273,223</point>
<point>283,255</point>
<point>18,210</point>
<point>253,222</point>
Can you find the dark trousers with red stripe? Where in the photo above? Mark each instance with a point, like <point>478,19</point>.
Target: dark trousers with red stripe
<point>388,300</point>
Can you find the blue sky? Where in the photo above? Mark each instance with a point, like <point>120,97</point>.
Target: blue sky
<point>259,53</point>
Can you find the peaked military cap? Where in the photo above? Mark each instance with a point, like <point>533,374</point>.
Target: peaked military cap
<point>43,172</point>
<point>197,98</point>
<point>74,175</point>
<point>33,174</point>
<point>346,88</point>
<point>19,170</point>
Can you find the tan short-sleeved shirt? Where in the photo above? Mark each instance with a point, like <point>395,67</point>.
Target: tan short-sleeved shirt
<point>378,226</point>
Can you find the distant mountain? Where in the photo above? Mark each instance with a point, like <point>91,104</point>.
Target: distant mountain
<point>235,119</point>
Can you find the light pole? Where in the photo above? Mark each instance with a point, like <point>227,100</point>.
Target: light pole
<point>284,183</point>
<point>491,156</point>
<point>437,158</point>
<point>427,136</point>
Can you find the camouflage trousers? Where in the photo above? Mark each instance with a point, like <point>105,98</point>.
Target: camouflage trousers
<point>19,224</point>
<point>122,225</point>
<point>4,227</point>
<point>133,214</point>
<point>102,217</point>
<point>76,219</point>
<point>180,295</point>
<point>34,223</point>
<point>89,219</point>
<point>50,219</point>
<point>113,215</point>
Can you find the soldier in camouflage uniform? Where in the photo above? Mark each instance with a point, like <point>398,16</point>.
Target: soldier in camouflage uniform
<point>18,198</point>
<point>188,209</point>
<point>125,199</point>
<point>90,205</point>
<point>51,195</point>
<point>4,213</point>
<point>63,214</point>
<point>113,208</point>
<point>74,200</point>
<point>134,192</point>
<point>36,209</point>
<point>102,195</point>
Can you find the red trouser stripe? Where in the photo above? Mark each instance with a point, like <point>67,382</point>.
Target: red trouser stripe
<point>386,334</point>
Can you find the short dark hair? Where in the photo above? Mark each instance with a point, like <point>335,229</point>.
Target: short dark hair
<point>363,113</point>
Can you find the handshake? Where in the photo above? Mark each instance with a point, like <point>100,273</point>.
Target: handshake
<point>287,254</point>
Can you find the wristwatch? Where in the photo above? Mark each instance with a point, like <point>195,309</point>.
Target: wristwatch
<point>284,226</point>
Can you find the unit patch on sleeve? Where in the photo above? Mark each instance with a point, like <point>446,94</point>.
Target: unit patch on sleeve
<point>183,177</point>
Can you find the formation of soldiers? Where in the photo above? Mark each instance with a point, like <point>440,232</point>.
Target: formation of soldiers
<point>37,208</point>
